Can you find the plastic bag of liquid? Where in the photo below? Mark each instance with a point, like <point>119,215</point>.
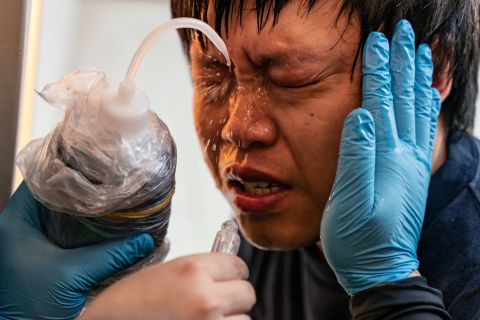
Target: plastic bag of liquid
<point>99,179</point>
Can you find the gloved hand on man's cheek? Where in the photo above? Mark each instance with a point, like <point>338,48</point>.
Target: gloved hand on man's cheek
<point>373,218</point>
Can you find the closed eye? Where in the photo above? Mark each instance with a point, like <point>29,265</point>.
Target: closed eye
<point>295,85</point>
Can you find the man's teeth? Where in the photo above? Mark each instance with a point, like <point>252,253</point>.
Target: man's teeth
<point>259,188</point>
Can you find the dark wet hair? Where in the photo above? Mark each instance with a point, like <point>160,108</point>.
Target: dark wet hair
<point>451,27</point>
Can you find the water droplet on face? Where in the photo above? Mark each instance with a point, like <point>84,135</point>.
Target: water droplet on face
<point>206,146</point>
<point>240,144</point>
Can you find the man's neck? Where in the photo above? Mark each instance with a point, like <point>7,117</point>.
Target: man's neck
<point>440,148</point>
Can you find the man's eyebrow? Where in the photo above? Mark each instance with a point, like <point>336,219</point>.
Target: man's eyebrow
<point>285,57</point>
<point>276,58</point>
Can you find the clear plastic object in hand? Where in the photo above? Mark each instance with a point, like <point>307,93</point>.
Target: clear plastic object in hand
<point>108,168</point>
<point>227,239</point>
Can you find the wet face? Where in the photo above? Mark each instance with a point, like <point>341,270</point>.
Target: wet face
<point>270,126</point>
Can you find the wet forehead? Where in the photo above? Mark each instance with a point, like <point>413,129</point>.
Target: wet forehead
<point>298,37</point>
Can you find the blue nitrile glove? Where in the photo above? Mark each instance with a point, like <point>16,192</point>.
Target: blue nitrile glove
<point>373,218</point>
<point>41,281</point>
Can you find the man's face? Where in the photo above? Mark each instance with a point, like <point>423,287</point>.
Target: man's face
<point>270,127</point>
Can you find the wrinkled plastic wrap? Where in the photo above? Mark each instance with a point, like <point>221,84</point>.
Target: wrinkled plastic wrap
<point>97,183</point>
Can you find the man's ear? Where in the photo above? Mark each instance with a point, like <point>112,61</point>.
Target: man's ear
<point>443,83</point>
<point>443,73</point>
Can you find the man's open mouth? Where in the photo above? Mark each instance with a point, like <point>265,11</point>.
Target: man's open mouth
<point>255,191</point>
<point>257,188</point>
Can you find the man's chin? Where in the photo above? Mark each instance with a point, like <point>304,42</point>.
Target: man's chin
<point>266,236</point>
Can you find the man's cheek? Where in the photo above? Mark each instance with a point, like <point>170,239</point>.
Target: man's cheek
<point>209,124</point>
<point>211,151</point>
<point>209,140</point>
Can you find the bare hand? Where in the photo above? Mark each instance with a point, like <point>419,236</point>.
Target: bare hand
<point>205,286</point>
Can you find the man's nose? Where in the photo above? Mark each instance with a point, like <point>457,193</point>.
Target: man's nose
<point>250,123</point>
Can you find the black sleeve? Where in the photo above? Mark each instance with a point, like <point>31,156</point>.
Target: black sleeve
<point>409,299</point>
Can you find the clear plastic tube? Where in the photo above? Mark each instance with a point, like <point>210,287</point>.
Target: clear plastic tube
<point>173,24</point>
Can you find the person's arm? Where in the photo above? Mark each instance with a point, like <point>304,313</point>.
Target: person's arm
<point>408,299</point>
<point>373,218</point>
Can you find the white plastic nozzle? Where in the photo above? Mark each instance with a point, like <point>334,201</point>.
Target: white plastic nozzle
<point>124,109</point>
<point>126,90</point>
